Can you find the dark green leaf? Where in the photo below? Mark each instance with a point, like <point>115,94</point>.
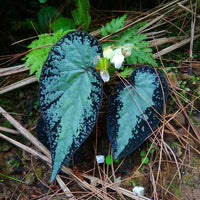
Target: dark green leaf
<point>42,1</point>
<point>63,23</point>
<point>135,109</point>
<point>81,15</point>
<point>46,16</point>
<point>70,94</point>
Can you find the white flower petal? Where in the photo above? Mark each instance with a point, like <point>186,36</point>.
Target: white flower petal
<point>108,53</point>
<point>117,51</point>
<point>100,159</point>
<point>138,190</point>
<point>117,60</point>
<point>105,76</point>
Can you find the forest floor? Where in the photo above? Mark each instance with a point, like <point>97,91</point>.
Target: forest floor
<point>173,167</point>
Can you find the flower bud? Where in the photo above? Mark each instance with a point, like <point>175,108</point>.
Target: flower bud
<point>108,52</point>
<point>105,75</point>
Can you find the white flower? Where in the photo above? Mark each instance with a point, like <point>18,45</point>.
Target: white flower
<point>104,75</point>
<point>117,55</point>
<point>127,50</point>
<point>118,58</point>
<point>108,52</point>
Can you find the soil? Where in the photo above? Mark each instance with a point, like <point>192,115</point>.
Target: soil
<point>173,182</point>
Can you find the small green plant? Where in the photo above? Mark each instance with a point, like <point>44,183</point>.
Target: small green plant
<point>128,44</point>
<point>83,57</point>
<point>109,160</point>
<point>134,181</point>
<point>143,154</point>
<point>132,44</point>
<point>113,26</point>
<point>81,15</point>
<point>50,18</point>
<point>78,56</point>
<point>144,159</point>
<point>13,163</point>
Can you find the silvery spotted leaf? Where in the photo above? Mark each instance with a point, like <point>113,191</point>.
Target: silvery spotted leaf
<point>70,94</point>
<point>135,109</point>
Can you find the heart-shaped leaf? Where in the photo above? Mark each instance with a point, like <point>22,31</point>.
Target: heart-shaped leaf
<point>134,109</point>
<point>70,94</point>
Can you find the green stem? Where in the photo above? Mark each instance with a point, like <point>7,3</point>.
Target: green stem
<point>14,179</point>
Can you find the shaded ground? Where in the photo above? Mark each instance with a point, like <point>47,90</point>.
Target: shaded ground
<point>34,173</point>
<point>173,170</point>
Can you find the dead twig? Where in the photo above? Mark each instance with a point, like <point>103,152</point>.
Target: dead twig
<point>8,130</point>
<point>18,84</point>
<point>175,46</point>
<point>24,147</point>
<point>12,70</point>
<point>122,190</point>
<point>193,21</point>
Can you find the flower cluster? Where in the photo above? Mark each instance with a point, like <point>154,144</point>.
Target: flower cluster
<point>114,56</point>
